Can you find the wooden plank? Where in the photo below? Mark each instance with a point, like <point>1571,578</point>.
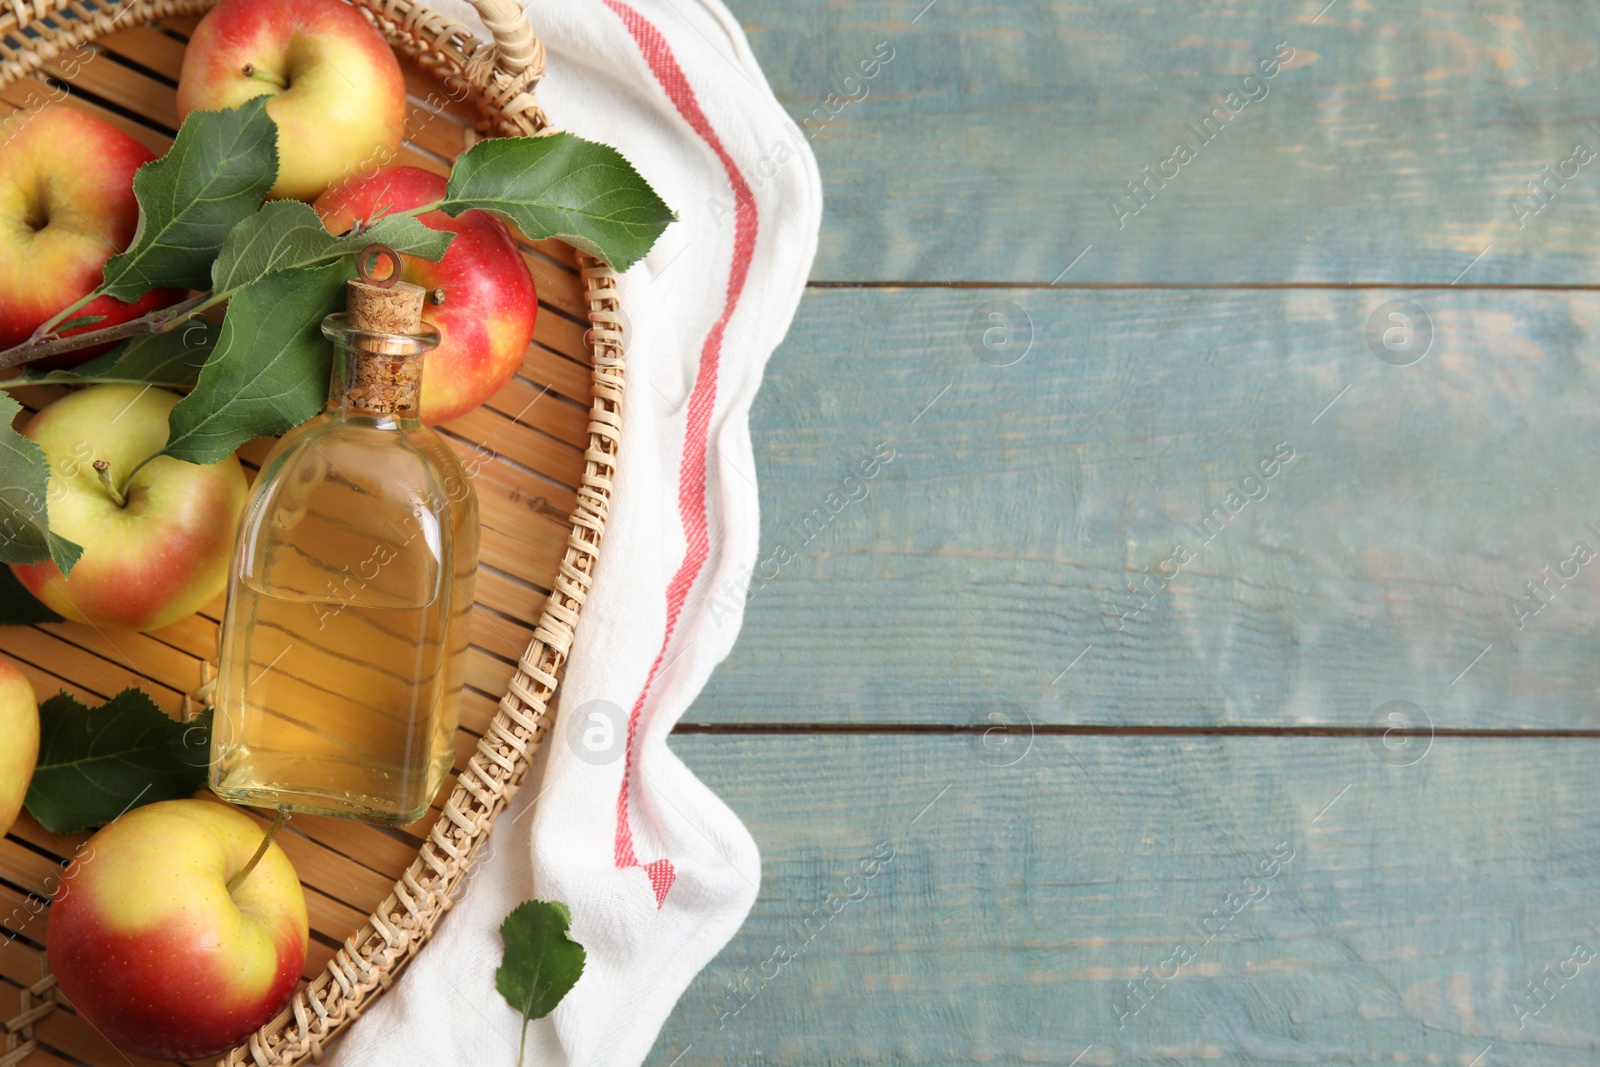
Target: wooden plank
<point>1386,561</point>
<point>562,335</point>
<point>520,540</point>
<point>563,256</point>
<point>539,404</point>
<point>498,634</point>
<point>411,156</point>
<point>507,496</point>
<point>990,143</point>
<point>434,130</point>
<point>568,372</point>
<point>29,870</point>
<point>424,87</point>
<point>111,81</point>
<point>26,921</point>
<point>31,93</point>
<point>195,635</point>
<point>41,1056</point>
<point>371,846</point>
<point>155,659</point>
<point>489,430</point>
<point>47,684</point>
<point>148,47</point>
<point>488,673</point>
<point>181,25</point>
<point>102,677</point>
<point>1408,907</point>
<point>553,280</point>
<point>506,593</point>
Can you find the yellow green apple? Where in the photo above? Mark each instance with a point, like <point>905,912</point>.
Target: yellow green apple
<point>19,725</point>
<point>157,537</point>
<point>337,93</point>
<point>151,947</point>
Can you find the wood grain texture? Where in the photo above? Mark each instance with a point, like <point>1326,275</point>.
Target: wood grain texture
<point>990,146</point>
<point>1415,904</point>
<point>1024,501</point>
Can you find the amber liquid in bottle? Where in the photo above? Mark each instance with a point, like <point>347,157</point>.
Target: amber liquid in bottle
<point>344,640</point>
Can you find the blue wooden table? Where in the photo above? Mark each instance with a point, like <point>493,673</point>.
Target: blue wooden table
<point>1208,670</point>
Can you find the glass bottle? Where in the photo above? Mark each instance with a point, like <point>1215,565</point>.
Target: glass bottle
<point>344,640</point>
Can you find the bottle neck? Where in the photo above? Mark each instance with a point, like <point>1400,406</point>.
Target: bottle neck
<point>378,385</point>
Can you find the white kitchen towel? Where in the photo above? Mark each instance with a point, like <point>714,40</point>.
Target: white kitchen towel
<point>658,872</point>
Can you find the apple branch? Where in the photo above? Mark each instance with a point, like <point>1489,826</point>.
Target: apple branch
<point>156,322</point>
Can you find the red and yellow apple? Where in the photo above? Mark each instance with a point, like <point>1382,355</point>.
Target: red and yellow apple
<point>337,93</point>
<point>19,725</point>
<point>482,300</point>
<point>157,537</point>
<point>150,947</point>
<point>66,206</point>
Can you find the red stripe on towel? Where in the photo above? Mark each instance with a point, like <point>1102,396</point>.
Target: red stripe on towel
<point>702,399</point>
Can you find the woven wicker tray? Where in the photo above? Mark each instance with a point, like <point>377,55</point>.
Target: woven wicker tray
<point>543,450</point>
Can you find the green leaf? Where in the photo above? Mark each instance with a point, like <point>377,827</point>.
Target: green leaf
<point>270,370</point>
<point>172,360</point>
<point>541,963</point>
<point>214,176</point>
<point>65,553</point>
<point>18,606</point>
<point>25,535</point>
<point>559,185</point>
<point>287,235</point>
<point>95,764</point>
<point>80,320</point>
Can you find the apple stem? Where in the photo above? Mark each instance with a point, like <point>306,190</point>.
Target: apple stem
<point>252,71</point>
<point>266,842</point>
<point>103,469</point>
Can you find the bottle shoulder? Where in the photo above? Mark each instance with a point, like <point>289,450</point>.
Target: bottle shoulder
<point>415,461</point>
<point>394,505</point>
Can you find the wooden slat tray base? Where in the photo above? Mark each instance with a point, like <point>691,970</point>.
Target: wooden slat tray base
<point>535,431</point>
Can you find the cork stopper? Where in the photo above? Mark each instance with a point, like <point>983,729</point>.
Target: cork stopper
<point>376,310</point>
<point>384,316</point>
